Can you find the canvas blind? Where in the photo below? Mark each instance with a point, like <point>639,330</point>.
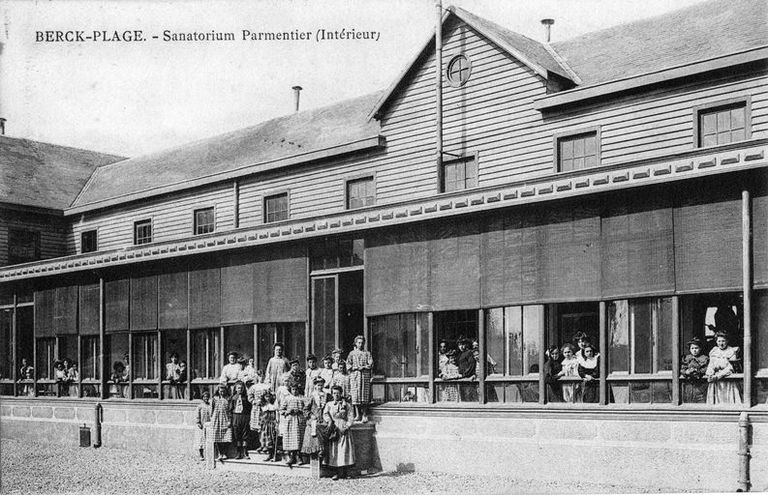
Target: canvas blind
<point>44,311</point>
<point>454,268</point>
<point>172,300</point>
<point>116,299</point>
<point>144,303</point>
<point>637,243</point>
<point>89,309</point>
<point>708,240</point>
<point>396,271</point>
<point>760,238</point>
<point>501,261</point>
<point>561,253</point>
<point>280,287</point>
<point>65,310</point>
<point>205,298</point>
<point>237,291</point>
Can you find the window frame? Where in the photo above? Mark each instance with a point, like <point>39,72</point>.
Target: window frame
<point>458,83</point>
<point>698,110</point>
<point>464,157</point>
<point>195,225</point>
<point>273,194</point>
<point>559,136</point>
<point>136,224</point>
<point>95,241</point>
<point>37,244</point>
<point>357,178</point>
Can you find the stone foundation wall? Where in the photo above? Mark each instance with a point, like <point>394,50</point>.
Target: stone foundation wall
<point>685,450</point>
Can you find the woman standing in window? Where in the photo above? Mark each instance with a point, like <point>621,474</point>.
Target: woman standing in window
<point>360,364</point>
<point>723,359</point>
<point>589,371</point>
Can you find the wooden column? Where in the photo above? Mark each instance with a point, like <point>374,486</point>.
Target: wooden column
<point>188,382</point>
<point>439,85</point>
<point>482,357</point>
<point>542,359</point>
<point>676,350</point>
<point>103,374</point>
<point>603,356</point>
<point>431,354</point>
<point>746,268</point>
<point>14,340</point>
<point>131,372</point>
<point>158,366</point>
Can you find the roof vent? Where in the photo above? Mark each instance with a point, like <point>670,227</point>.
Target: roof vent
<point>296,94</point>
<point>547,23</point>
<point>2,126</point>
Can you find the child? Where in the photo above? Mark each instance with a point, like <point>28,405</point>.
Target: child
<point>255,394</point>
<point>24,367</point>
<point>117,377</point>
<point>315,436</point>
<point>173,374</point>
<point>450,372</point>
<point>221,421</point>
<point>693,368</point>
<point>442,359</point>
<point>276,367</point>
<point>240,412</point>
<point>292,411</point>
<point>182,383</point>
<point>28,377</point>
<point>589,371</point>
<point>312,372</point>
<point>552,368</point>
<point>360,364</point>
<point>327,373</point>
<point>61,378</point>
<point>723,361</point>
<point>268,422</point>
<point>569,368</point>
<point>248,375</point>
<point>203,417</point>
<point>338,415</point>
<point>336,356</point>
<point>342,379</point>
<point>73,378</point>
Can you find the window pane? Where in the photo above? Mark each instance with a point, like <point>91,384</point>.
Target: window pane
<point>590,145</point>
<point>494,335</point>
<point>709,140</point>
<point>723,121</point>
<point>323,315</point>
<point>24,335</point>
<point>6,343</point>
<point>145,355</point>
<point>737,118</point>
<point>566,148</point>
<point>664,324</point>
<point>239,339</point>
<point>394,339</point>
<point>46,355</point>
<point>709,124</point>
<point>533,322</point>
<point>618,328</point>
<point>642,326</point>
<point>89,360</point>
<point>205,354</point>
<point>513,319</point>
<point>578,147</point>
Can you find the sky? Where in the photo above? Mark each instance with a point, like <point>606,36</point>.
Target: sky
<point>132,98</point>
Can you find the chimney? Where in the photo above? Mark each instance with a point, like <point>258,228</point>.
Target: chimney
<point>2,126</point>
<point>296,94</point>
<point>547,23</point>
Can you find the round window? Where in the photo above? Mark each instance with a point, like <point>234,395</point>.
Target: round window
<point>458,70</point>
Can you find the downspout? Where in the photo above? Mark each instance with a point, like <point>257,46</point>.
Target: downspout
<point>744,483</point>
<point>439,88</point>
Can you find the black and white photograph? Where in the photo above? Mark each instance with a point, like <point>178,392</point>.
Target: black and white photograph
<point>383,247</point>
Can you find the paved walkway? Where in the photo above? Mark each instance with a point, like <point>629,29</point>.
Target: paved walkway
<point>43,468</point>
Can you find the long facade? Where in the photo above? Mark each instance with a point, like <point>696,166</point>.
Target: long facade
<point>629,206</point>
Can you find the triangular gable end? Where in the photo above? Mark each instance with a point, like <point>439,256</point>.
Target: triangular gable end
<point>539,58</point>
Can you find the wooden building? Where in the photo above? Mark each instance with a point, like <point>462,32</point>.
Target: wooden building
<point>613,184</point>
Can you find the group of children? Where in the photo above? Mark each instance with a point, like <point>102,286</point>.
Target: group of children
<point>704,376</point>
<point>580,365</point>
<point>288,412</point>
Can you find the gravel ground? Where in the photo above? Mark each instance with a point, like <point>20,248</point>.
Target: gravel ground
<point>40,468</point>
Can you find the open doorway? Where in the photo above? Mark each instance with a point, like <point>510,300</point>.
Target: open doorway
<point>337,311</point>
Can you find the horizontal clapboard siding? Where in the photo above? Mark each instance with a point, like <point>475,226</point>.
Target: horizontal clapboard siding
<point>492,115</point>
<point>172,218</point>
<point>52,233</point>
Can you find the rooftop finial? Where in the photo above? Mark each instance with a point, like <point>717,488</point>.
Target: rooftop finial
<point>296,93</point>
<point>547,28</point>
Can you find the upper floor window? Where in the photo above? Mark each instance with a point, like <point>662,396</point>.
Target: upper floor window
<point>142,232</point>
<point>577,151</point>
<point>458,70</point>
<point>459,174</point>
<point>360,192</point>
<point>205,221</point>
<point>23,246</point>
<point>88,241</point>
<point>723,124</point>
<point>276,208</point>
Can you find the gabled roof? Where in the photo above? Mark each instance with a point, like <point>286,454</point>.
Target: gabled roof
<point>45,175</point>
<point>536,56</point>
<point>700,32</point>
<point>298,134</point>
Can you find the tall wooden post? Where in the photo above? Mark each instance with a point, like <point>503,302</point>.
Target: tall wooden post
<point>102,318</point>
<point>676,350</point>
<point>603,355</point>
<point>482,348</point>
<point>542,359</point>
<point>746,268</point>
<point>439,82</point>
<point>431,354</point>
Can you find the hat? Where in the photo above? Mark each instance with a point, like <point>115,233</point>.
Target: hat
<point>241,360</point>
<point>319,379</point>
<point>464,340</point>
<point>337,351</point>
<point>293,361</point>
<point>694,341</point>
<point>311,357</point>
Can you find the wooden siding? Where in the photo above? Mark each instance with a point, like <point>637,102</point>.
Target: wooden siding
<point>52,232</point>
<point>492,115</point>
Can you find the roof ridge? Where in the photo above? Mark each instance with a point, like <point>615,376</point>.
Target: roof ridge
<point>75,148</point>
<point>560,60</point>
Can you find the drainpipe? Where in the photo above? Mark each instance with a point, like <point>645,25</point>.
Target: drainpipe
<point>744,455</point>
<point>98,417</point>
<point>439,84</point>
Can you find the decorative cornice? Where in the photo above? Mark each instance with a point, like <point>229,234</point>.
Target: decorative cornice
<point>684,166</point>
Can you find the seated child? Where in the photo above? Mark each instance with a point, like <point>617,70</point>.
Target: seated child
<point>693,368</point>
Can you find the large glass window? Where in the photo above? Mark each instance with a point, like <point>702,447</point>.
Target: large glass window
<point>205,221</point>
<point>456,332</point>
<point>175,369</point>
<point>400,346</point>
<point>6,344</point>
<point>142,232</point>
<point>145,365</point>
<point>89,241</point>
<point>206,360</point>
<point>117,360</point>
<point>330,253</point>
<point>239,339</point>
<point>90,373</point>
